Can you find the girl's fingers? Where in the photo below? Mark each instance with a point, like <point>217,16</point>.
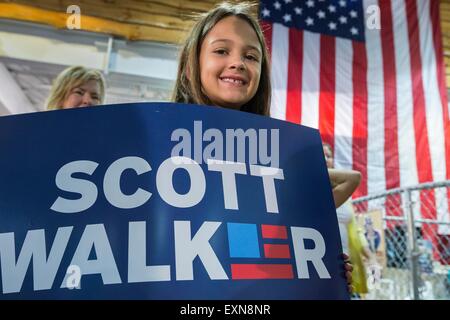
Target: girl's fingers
<point>348,267</point>
<point>348,275</point>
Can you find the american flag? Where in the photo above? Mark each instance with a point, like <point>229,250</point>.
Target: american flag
<point>370,76</point>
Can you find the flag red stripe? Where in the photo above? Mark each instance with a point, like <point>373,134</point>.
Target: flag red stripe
<point>359,144</point>
<point>327,88</point>
<point>391,157</point>
<point>273,232</point>
<point>267,31</point>
<point>277,251</point>
<point>261,271</point>
<point>392,163</point>
<point>295,71</point>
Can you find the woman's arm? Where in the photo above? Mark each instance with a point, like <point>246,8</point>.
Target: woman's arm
<point>343,183</point>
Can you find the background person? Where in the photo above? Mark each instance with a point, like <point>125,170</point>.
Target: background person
<point>76,87</point>
<point>352,237</point>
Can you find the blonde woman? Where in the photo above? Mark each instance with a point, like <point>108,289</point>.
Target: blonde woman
<point>77,87</point>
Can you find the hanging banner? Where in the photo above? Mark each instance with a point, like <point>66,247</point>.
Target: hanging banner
<point>165,201</point>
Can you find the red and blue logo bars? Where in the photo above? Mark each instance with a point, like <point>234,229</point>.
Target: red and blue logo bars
<point>244,242</point>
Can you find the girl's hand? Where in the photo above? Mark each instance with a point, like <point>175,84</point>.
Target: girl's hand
<point>348,267</point>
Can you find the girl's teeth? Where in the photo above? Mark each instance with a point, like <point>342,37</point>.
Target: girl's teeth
<point>232,80</point>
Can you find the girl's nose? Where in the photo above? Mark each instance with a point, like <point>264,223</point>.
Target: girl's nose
<point>238,63</point>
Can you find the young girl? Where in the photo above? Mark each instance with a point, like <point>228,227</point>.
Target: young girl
<point>76,87</point>
<point>224,62</point>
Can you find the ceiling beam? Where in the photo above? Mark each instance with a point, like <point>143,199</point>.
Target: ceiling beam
<point>58,20</point>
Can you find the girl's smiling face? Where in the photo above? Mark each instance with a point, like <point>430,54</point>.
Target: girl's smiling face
<point>230,63</point>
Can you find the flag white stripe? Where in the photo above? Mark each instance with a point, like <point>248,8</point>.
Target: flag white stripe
<point>280,58</point>
<point>311,79</point>
<point>343,124</point>
<point>405,110</point>
<point>376,181</point>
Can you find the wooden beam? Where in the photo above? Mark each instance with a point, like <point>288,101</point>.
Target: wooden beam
<point>93,24</point>
<point>157,15</point>
<point>132,11</point>
<point>102,7</point>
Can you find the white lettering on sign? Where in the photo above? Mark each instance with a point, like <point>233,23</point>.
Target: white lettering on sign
<point>88,191</point>
<point>186,248</point>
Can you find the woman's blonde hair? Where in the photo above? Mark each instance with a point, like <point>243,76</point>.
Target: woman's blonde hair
<point>71,78</point>
<point>188,88</point>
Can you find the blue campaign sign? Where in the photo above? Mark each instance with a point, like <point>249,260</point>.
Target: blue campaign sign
<point>165,201</point>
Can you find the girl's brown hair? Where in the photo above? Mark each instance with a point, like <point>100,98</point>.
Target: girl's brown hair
<point>188,87</point>
<point>70,78</point>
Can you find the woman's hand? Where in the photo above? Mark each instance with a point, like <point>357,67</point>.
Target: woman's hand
<point>343,183</point>
<point>348,271</point>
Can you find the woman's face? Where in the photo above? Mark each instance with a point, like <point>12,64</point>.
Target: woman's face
<point>230,63</point>
<point>87,94</point>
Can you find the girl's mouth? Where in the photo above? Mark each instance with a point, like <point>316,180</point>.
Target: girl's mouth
<point>237,82</point>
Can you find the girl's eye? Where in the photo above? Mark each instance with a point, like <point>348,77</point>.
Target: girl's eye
<point>251,57</point>
<point>221,51</point>
<point>79,92</point>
